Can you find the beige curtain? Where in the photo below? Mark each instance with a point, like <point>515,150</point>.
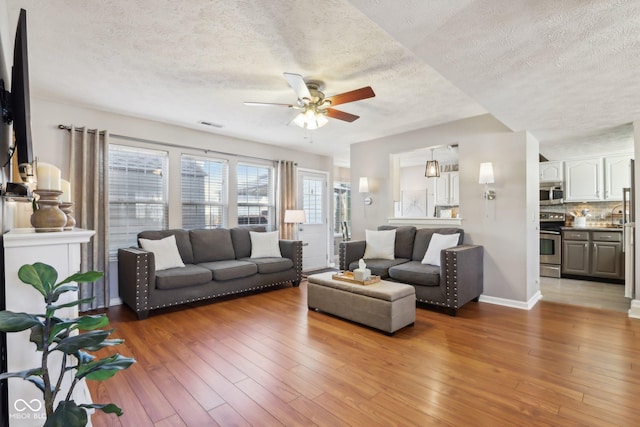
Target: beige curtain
<point>88,174</point>
<point>287,195</point>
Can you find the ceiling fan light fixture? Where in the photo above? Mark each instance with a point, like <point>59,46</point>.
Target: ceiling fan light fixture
<point>310,119</point>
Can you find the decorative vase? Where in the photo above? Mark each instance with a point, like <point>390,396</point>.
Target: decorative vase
<point>71,221</point>
<point>48,217</point>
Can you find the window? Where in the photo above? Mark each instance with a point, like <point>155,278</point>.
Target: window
<point>137,194</point>
<point>256,195</point>
<point>204,192</point>
<point>342,204</point>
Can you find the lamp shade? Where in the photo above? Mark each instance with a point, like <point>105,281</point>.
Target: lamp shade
<point>432,170</point>
<point>364,185</point>
<point>294,217</point>
<point>310,119</point>
<point>486,173</point>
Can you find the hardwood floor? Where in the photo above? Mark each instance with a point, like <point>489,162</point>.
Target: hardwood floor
<point>265,360</point>
<point>605,296</point>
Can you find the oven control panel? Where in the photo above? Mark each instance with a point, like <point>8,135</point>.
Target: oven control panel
<point>552,216</point>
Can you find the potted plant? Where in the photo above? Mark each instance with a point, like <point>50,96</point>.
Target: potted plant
<point>71,338</point>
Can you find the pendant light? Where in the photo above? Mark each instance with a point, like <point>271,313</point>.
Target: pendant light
<point>433,168</point>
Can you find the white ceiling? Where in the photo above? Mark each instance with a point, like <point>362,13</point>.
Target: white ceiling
<point>566,71</point>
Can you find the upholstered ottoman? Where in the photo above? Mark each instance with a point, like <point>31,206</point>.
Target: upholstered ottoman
<point>387,306</point>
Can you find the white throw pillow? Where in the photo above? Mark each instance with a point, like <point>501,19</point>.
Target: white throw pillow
<point>165,252</point>
<point>265,244</point>
<point>437,244</point>
<point>380,244</point>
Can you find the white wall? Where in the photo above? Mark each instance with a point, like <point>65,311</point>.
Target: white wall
<point>635,303</point>
<point>507,230</point>
<point>51,145</point>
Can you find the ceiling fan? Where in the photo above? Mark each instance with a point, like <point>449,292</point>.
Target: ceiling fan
<point>314,107</point>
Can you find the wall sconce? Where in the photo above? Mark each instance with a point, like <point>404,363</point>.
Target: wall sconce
<point>486,178</point>
<point>294,217</point>
<point>432,170</point>
<point>364,188</point>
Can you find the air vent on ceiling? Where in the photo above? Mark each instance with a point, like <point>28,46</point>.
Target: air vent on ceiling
<point>206,123</point>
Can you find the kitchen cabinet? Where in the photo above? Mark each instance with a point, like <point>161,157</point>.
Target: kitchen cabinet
<point>551,171</point>
<point>593,254</point>
<point>448,189</point>
<point>617,175</point>
<point>583,180</point>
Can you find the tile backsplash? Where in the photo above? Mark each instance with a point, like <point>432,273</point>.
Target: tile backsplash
<point>601,214</point>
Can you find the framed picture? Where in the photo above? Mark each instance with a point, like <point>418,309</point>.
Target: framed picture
<point>414,203</point>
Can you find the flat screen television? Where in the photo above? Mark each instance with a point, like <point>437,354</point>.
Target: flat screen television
<point>16,105</point>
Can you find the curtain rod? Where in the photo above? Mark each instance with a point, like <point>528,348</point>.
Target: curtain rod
<point>166,144</point>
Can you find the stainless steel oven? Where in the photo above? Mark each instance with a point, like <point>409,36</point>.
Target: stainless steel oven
<point>551,243</point>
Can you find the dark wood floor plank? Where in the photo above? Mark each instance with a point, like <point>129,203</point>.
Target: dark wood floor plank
<point>265,359</point>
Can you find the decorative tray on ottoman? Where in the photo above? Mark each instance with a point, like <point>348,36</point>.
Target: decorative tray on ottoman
<point>347,276</point>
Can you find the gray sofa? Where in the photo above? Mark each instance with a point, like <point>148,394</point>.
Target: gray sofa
<point>458,279</point>
<point>217,263</point>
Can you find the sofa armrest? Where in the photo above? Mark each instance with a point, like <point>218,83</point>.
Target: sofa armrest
<point>351,251</point>
<point>461,274</point>
<point>292,249</point>
<point>136,279</point>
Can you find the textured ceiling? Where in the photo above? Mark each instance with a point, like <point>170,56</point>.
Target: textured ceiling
<point>563,70</point>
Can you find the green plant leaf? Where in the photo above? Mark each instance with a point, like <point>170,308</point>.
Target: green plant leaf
<point>71,304</point>
<point>67,414</point>
<point>91,322</point>
<point>29,275</point>
<point>105,343</point>
<point>109,408</point>
<point>40,275</point>
<point>59,290</point>
<point>89,339</point>
<point>88,276</point>
<point>34,376</point>
<point>37,336</point>
<point>103,369</point>
<point>16,322</point>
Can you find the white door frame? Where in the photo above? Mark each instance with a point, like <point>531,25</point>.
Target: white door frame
<point>327,200</point>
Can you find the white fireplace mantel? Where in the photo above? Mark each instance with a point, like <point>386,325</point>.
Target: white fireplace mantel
<point>61,250</point>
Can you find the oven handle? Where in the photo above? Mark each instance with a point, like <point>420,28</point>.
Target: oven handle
<point>557,233</point>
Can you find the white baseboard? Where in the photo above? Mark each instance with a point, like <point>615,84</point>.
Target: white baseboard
<point>634,311</point>
<point>522,305</point>
<point>115,301</point>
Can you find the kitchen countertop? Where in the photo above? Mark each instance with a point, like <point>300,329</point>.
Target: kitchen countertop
<point>592,228</point>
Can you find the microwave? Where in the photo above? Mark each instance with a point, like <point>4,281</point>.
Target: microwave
<point>551,193</point>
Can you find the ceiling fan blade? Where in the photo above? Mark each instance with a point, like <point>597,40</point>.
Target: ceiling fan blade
<point>354,95</point>
<point>298,85</point>
<point>341,115</point>
<point>269,104</point>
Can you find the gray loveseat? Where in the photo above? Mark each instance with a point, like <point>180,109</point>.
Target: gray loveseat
<point>458,279</point>
<point>217,263</point>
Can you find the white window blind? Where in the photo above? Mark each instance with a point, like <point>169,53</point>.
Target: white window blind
<point>137,194</point>
<point>204,192</point>
<point>256,201</point>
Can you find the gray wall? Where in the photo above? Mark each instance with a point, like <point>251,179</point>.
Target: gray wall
<point>507,228</point>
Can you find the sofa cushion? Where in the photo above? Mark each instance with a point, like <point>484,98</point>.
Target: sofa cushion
<point>379,267</point>
<point>165,252</point>
<point>211,245</point>
<point>265,244</point>
<point>437,244</point>
<point>189,275</point>
<point>423,237</point>
<point>242,241</point>
<point>379,244</point>
<point>271,265</point>
<point>416,273</point>
<point>405,236</point>
<point>230,269</point>
<point>182,241</point>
